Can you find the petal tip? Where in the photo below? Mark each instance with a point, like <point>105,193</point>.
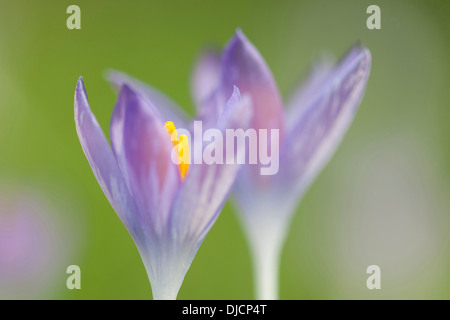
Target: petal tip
<point>367,54</point>
<point>239,39</point>
<point>365,58</point>
<point>360,51</point>
<point>236,93</point>
<point>80,85</point>
<point>81,99</point>
<point>130,100</point>
<point>239,33</point>
<point>127,93</point>
<point>126,89</point>
<point>358,56</point>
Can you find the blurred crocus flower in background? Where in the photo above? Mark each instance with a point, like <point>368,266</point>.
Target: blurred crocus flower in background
<point>316,118</point>
<point>167,211</point>
<point>33,249</point>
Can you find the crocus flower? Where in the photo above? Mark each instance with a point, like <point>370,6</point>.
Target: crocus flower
<point>310,129</point>
<point>32,246</point>
<point>316,118</point>
<point>167,209</point>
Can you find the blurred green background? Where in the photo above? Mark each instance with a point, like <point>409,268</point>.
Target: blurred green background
<point>383,198</point>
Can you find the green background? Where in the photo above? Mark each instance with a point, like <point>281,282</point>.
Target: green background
<point>383,198</point>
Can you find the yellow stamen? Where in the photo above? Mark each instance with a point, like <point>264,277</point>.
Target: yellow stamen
<point>172,131</point>
<point>182,145</point>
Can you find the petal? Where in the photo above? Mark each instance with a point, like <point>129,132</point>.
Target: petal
<point>101,158</point>
<point>143,151</point>
<point>244,67</point>
<point>207,186</point>
<point>168,110</point>
<point>307,90</point>
<point>323,123</point>
<point>205,76</point>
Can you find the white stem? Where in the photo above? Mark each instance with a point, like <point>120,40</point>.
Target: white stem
<point>166,285</point>
<point>159,294</point>
<point>165,274</point>
<point>266,272</point>
<point>265,245</point>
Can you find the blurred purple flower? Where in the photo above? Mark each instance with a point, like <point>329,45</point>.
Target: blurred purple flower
<point>317,117</point>
<point>31,250</point>
<point>167,216</point>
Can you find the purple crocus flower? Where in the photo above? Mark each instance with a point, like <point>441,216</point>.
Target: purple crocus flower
<point>168,215</point>
<point>316,118</point>
<point>33,249</point>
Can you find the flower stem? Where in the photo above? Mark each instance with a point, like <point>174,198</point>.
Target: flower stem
<point>165,279</point>
<point>266,272</point>
<point>266,248</point>
<point>166,288</point>
<point>164,295</point>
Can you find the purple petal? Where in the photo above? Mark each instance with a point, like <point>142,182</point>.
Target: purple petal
<point>307,90</point>
<point>244,67</point>
<point>168,110</point>
<point>205,76</point>
<point>207,186</point>
<point>323,123</point>
<point>101,158</point>
<point>143,151</point>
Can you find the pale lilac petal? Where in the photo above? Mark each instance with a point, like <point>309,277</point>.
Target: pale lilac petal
<point>101,158</point>
<point>244,67</point>
<point>205,76</point>
<point>325,120</point>
<point>168,110</point>
<point>307,90</point>
<point>207,186</point>
<point>143,151</point>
